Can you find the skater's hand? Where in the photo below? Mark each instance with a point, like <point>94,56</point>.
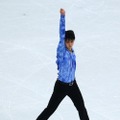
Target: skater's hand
<point>62,11</point>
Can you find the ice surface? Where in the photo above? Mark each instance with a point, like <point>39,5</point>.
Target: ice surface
<point>28,41</point>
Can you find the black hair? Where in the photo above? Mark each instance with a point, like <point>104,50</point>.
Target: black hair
<point>69,35</point>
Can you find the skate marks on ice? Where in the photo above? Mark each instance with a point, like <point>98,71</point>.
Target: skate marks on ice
<point>92,6</point>
<point>87,10</point>
<point>18,88</point>
<point>22,95</point>
<point>99,116</point>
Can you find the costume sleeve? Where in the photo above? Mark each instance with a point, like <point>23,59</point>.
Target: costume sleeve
<point>61,45</point>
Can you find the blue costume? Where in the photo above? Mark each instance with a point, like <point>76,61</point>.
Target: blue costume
<point>66,60</point>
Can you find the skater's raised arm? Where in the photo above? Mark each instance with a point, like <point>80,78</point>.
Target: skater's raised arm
<point>62,25</point>
<point>61,45</point>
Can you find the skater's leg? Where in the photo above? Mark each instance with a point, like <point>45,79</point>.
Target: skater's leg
<point>56,98</point>
<point>78,101</point>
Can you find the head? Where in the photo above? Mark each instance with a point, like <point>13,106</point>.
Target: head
<point>69,39</point>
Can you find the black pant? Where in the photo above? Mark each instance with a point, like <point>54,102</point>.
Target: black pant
<point>60,91</point>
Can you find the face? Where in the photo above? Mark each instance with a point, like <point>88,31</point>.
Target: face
<point>69,44</point>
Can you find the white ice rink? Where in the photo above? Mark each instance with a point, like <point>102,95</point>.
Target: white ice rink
<point>29,34</point>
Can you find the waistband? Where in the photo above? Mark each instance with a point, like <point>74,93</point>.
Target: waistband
<point>68,84</point>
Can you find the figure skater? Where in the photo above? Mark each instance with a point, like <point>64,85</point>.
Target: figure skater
<point>66,82</point>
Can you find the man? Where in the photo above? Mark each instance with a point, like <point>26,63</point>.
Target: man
<point>66,83</point>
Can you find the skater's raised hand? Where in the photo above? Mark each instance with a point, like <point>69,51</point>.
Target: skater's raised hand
<point>62,11</point>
